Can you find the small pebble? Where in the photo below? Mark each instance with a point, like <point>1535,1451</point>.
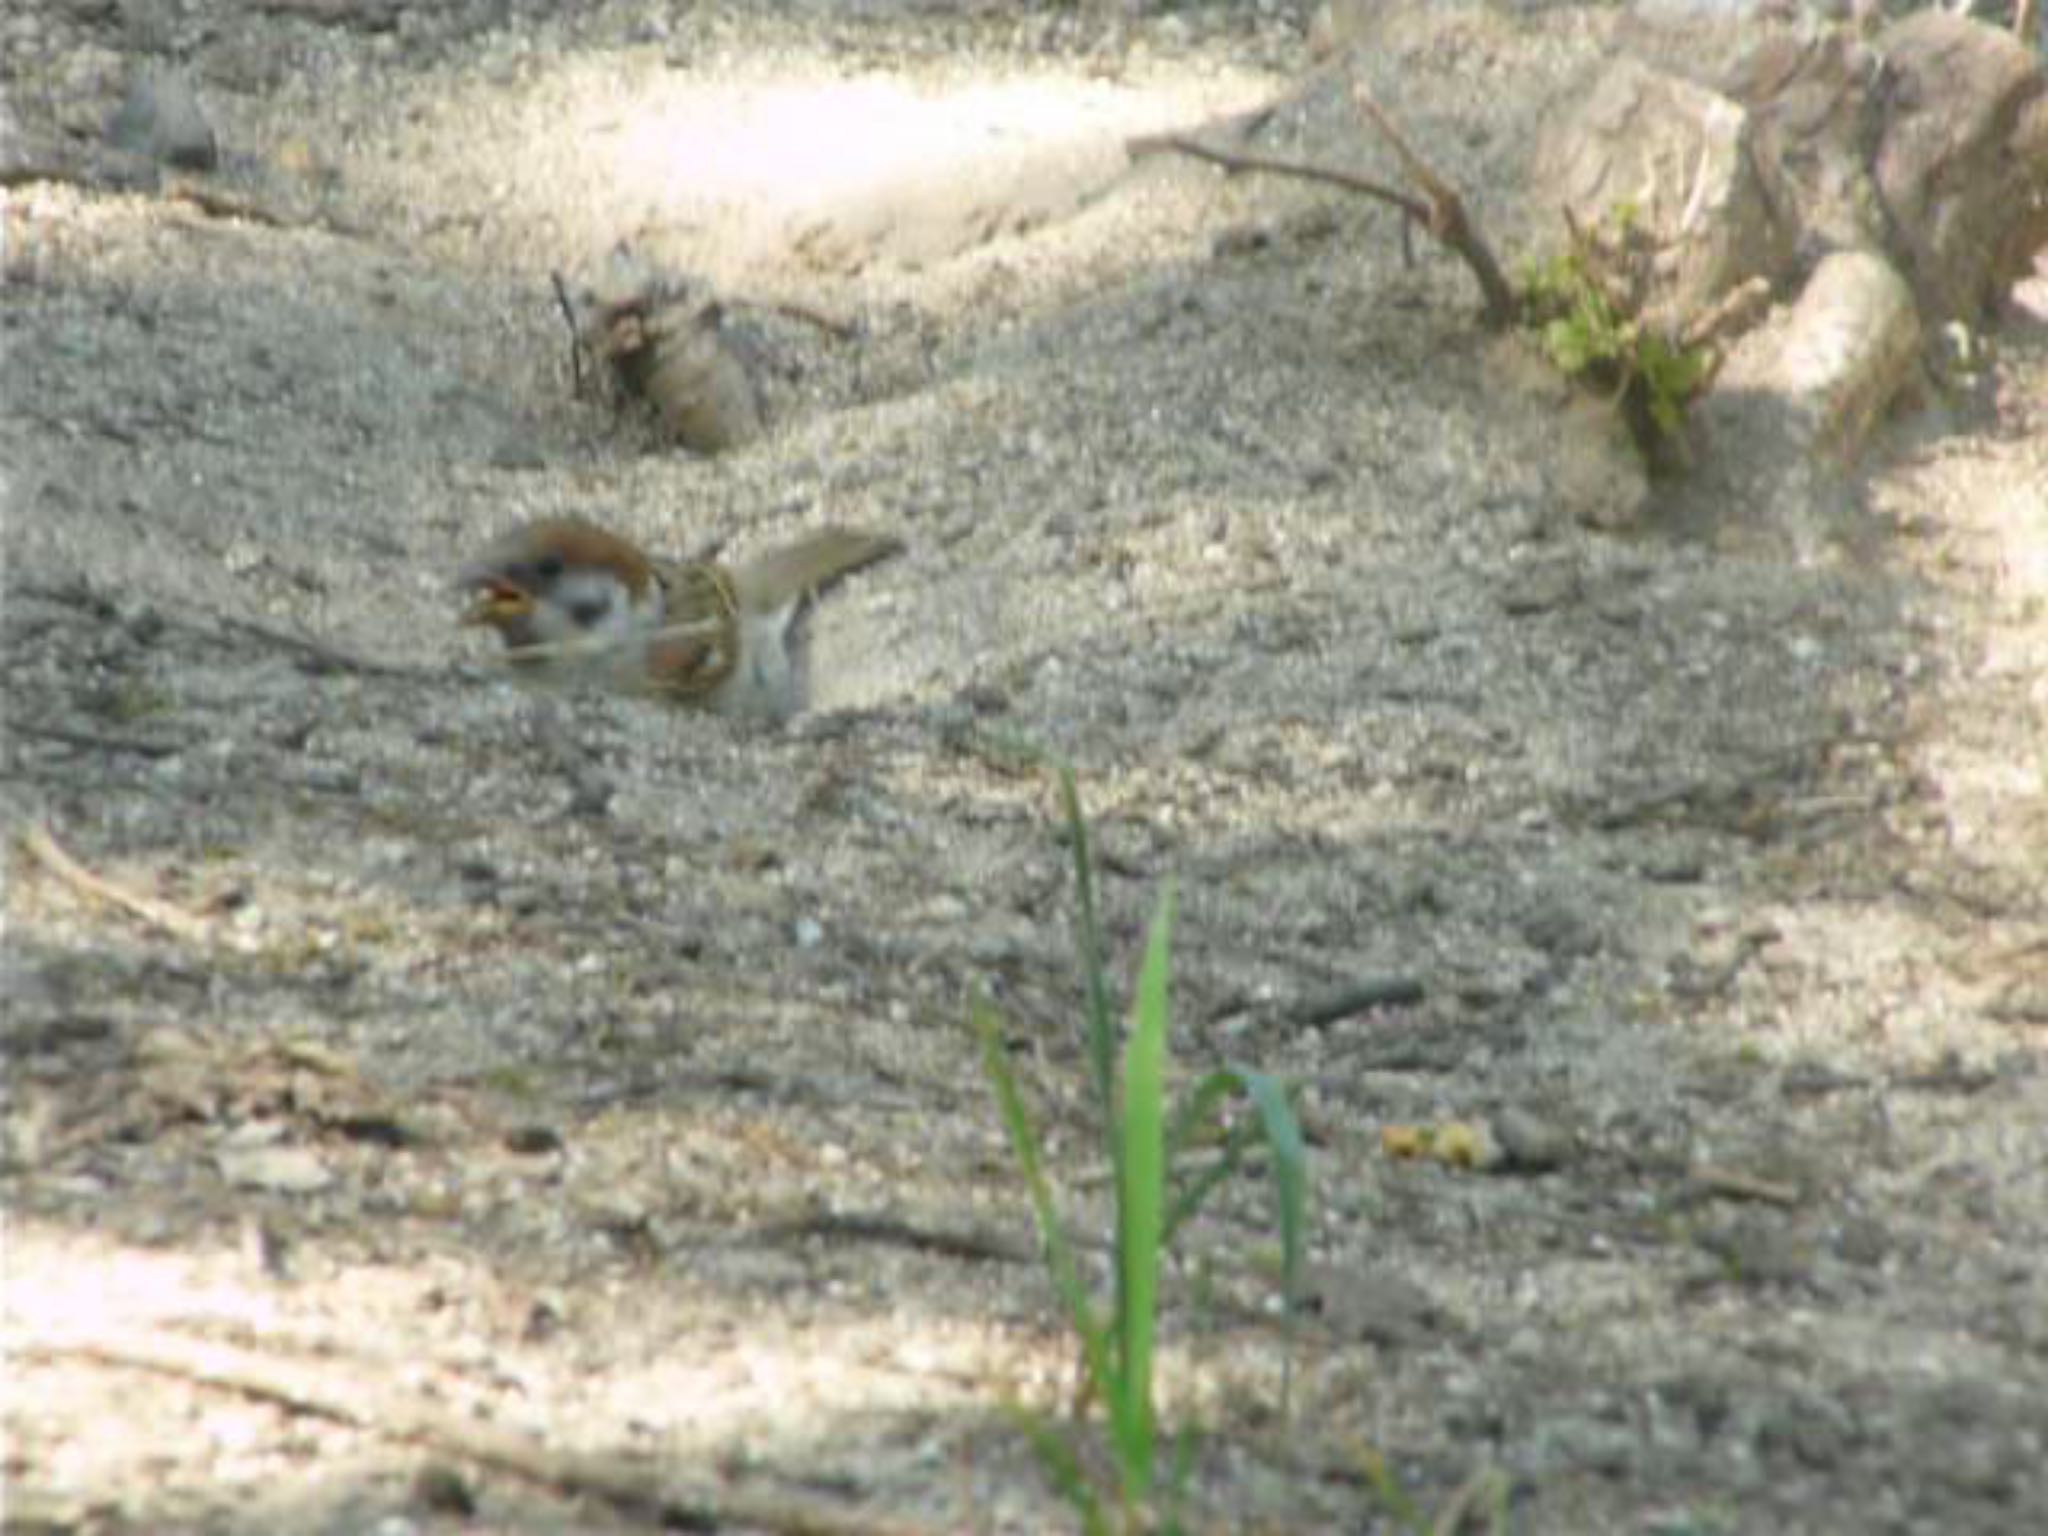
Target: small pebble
<point>1527,1143</point>
<point>160,117</point>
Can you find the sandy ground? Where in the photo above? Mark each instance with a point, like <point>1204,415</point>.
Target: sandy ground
<point>569,1067</point>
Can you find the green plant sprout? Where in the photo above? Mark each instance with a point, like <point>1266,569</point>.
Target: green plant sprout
<point>1156,1194</point>
<point>1584,305</point>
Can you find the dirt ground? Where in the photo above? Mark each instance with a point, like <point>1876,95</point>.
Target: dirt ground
<point>586,1075</point>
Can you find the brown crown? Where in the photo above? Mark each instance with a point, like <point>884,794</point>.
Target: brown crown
<point>578,543</point>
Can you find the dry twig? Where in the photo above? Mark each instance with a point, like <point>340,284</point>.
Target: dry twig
<point>792,309</point>
<point>1736,310</point>
<point>320,655</point>
<point>176,921</point>
<point>1733,1184</point>
<point>1448,220</point>
<point>862,1227</point>
<point>96,741</point>
<point>1237,162</point>
<point>1438,208</point>
<point>628,1490</point>
<point>576,344</point>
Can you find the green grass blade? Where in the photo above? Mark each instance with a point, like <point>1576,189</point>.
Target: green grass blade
<point>1193,1190</point>
<point>1284,1142</point>
<point>1178,1477</point>
<point>1273,1122</point>
<point>1196,1116</point>
<point>1088,939</point>
<point>1197,1112</point>
<point>1387,1489</point>
<point>1141,1203</point>
<point>1059,1253</point>
<point>1290,1186</point>
<point>1063,1470</point>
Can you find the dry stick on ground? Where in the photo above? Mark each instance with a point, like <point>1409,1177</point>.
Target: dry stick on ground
<point>576,347</point>
<point>627,1490</point>
<point>317,652</point>
<point>97,741</point>
<point>806,314</point>
<point>176,921</point>
<point>82,595</point>
<point>1734,1184</point>
<point>1448,220</point>
<point>871,1227</point>
<point>1439,209</point>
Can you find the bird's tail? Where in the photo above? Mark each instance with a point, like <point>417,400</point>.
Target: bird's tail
<point>785,577</point>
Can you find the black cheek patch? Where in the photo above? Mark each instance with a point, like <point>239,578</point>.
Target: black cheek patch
<point>589,612</point>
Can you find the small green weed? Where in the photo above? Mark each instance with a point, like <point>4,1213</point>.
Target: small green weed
<point>1157,1190</point>
<point>1585,303</point>
<point>1483,1495</point>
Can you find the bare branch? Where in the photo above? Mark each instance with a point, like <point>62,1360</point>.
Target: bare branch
<point>1439,209</point>
<point>625,1487</point>
<point>791,309</point>
<point>1447,218</point>
<point>1236,163</point>
<point>176,921</point>
<point>575,335</point>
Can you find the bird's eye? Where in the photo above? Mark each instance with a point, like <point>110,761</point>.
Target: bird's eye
<point>589,612</point>
<point>548,567</point>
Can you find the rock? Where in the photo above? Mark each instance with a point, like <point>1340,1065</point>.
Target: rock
<point>1581,1442</point>
<point>1810,1430</point>
<point>1529,1144</point>
<point>1752,141</point>
<point>1541,587</point>
<point>1673,866</point>
<point>1560,931</point>
<point>281,1170</point>
<point>1713,228</point>
<point>1360,996</point>
<point>1755,1252</point>
<point>1599,478</point>
<point>1832,363</point>
<point>440,1489</point>
<point>1798,397</point>
<point>1377,1306</point>
<point>148,26</point>
<point>1963,164</point>
<point>533,1140</point>
<point>2024,1001</point>
<point>1810,89</point>
<point>1929,144</point>
<point>85,84</point>
<point>160,117</point>
<point>1712,42</point>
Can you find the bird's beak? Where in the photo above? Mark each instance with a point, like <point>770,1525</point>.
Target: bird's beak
<point>498,602</point>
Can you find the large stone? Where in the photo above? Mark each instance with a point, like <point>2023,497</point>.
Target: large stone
<point>1928,141</point>
<point>1681,159</point>
<point>1835,359</point>
<point>161,118</point>
<point>1797,399</point>
<point>1963,164</point>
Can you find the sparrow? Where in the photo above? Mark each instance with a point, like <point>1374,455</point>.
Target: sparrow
<point>576,603</point>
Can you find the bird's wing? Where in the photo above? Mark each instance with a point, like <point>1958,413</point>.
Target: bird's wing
<point>784,577</point>
<point>697,646</point>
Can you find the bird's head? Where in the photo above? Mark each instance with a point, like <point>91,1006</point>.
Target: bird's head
<point>566,596</point>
